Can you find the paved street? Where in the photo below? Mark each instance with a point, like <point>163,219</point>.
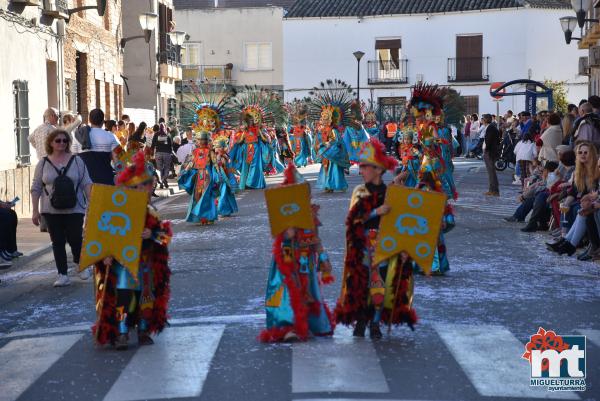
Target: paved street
<point>502,286</point>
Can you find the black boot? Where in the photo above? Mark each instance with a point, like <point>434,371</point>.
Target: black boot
<point>555,246</point>
<point>360,328</point>
<point>531,227</point>
<point>567,248</point>
<point>586,254</point>
<point>375,331</point>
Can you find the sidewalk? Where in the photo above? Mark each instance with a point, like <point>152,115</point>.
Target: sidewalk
<point>32,242</point>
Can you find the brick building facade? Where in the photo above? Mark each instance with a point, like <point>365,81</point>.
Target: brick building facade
<point>93,63</point>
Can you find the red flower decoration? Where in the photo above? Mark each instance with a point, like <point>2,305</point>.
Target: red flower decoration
<point>544,340</point>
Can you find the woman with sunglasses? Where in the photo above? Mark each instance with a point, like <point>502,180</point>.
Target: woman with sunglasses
<point>65,224</point>
<point>582,192</point>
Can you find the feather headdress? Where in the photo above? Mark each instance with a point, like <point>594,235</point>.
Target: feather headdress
<point>331,101</point>
<point>297,111</point>
<point>210,109</point>
<point>138,172</point>
<point>427,97</point>
<point>264,106</point>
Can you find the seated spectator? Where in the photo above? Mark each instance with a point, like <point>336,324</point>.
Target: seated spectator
<point>587,128</point>
<point>558,192</point>
<point>583,181</point>
<point>534,184</point>
<point>8,234</point>
<point>551,138</point>
<point>541,211</point>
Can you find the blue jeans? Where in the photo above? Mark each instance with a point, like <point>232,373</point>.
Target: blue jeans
<point>524,209</point>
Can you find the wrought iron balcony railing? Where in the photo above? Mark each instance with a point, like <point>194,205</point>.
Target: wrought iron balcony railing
<point>388,72</point>
<point>468,69</point>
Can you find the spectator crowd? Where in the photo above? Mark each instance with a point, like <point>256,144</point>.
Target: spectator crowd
<point>72,156</point>
<point>558,170</point>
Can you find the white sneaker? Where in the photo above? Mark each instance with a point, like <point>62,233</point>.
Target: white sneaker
<point>516,182</point>
<point>62,281</point>
<point>85,274</point>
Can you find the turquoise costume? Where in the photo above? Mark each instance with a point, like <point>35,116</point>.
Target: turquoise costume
<point>251,159</point>
<point>199,180</point>
<point>354,138</point>
<point>334,160</point>
<point>330,105</point>
<point>226,180</point>
<point>294,304</point>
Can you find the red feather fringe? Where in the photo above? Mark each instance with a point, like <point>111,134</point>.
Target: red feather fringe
<point>105,330</point>
<point>389,162</point>
<point>300,309</point>
<point>137,168</point>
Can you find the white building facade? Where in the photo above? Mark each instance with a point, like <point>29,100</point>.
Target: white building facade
<point>231,44</point>
<point>467,50</point>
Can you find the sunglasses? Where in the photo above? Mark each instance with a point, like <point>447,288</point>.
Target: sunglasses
<point>582,153</point>
<point>64,140</point>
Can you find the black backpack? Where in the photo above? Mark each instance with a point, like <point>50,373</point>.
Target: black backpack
<point>64,192</point>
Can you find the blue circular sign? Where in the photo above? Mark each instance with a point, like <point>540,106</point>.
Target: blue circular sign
<point>129,253</point>
<point>119,198</point>
<point>93,248</point>
<point>388,244</point>
<point>415,200</point>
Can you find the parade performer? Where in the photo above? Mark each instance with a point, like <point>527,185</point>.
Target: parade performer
<point>142,302</point>
<point>330,104</point>
<point>294,303</point>
<point>426,106</point>
<point>298,112</point>
<point>410,156</point>
<point>370,123</point>
<point>285,146</point>
<point>225,177</point>
<point>426,103</point>
<point>258,110</point>
<point>355,135</point>
<point>373,293</point>
<point>199,179</point>
<point>277,162</point>
<point>440,264</point>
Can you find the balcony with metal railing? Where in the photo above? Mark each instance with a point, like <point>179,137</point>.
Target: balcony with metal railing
<point>387,72</point>
<point>217,74</point>
<point>468,69</point>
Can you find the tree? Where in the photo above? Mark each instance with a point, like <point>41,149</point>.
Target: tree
<point>454,108</point>
<point>559,94</point>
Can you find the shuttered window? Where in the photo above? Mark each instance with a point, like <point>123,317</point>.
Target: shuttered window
<point>258,56</point>
<point>21,105</point>
<point>388,53</point>
<point>471,104</point>
<point>469,56</point>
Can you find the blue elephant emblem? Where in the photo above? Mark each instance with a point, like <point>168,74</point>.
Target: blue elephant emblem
<point>115,223</point>
<point>289,208</point>
<point>412,224</point>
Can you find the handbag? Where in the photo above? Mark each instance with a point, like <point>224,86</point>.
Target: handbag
<point>186,180</point>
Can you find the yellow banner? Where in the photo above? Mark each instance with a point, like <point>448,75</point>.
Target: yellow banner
<point>413,225</point>
<point>114,223</point>
<point>289,206</point>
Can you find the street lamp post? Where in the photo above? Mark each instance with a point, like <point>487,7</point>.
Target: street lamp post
<point>148,24</point>
<point>568,25</point>
<point>358,54</point>
<point>581,8</point>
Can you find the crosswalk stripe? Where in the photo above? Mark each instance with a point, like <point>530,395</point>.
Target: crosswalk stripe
<point>176,366</point>
<point>345,364</point>
<point>491,358</point>
<point>349,399</point>
<point>23,361</point>
<point>592,336</point>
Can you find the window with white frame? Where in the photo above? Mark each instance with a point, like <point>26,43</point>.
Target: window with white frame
<point>258,56</point>
<point>190,53</point>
